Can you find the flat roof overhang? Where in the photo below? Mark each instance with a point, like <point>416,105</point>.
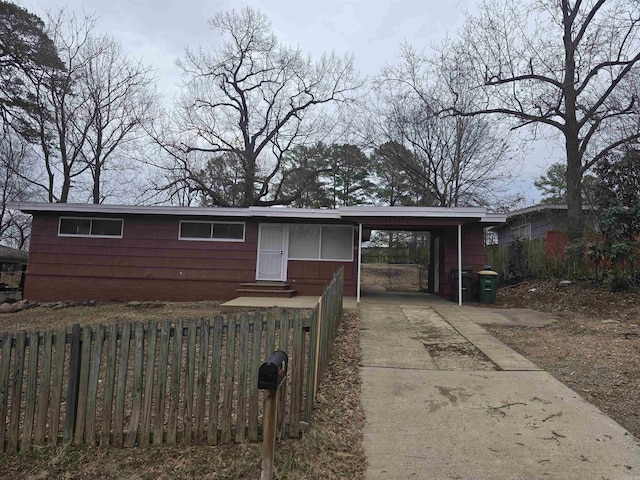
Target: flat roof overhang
<point>389,218</point>
<point>418,218</point>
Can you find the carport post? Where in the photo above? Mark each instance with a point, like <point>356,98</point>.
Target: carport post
<point>359,261</point>
<point>459,264</point>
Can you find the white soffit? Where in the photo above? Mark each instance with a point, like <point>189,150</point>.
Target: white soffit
<point>284,212</point>
<point>494,218</point>
<point>424,212</point>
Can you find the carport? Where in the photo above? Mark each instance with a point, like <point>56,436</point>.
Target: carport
<point>457,238</point>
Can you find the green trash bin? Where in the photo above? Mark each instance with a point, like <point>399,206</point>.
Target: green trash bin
<point>488,285</point>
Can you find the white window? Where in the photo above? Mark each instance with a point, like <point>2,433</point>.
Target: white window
<point>304,242</point>
<point>211,231</point>
<point>337,243</point>
<point>90,227</point>
<point>523,232</point>
<point>321,242</point>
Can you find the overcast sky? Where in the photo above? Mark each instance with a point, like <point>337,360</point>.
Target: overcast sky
<point>158,31</point>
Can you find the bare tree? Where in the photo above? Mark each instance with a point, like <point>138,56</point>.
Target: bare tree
<point>99,105</point>
<point>120,103</point>
<point>568,66</point>
<point>254,98</point>
<point>454,160</point>
<point>59,141</point>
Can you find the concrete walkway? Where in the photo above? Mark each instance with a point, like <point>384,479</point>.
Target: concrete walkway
<point>444,399</point>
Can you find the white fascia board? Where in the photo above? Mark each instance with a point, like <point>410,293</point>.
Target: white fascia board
<point>537,208</point>
<point>261,212</point>
<point>494,218</point>
<point>82,208</point>
<point>426,212</point>
<point>264,212</point>
<point>287,212</point>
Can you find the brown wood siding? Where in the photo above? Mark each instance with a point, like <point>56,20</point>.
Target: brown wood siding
<point>148,263</point>
<point>52,288</point>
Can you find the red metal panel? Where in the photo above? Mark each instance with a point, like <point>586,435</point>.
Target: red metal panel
<point>472,255</point>
<point>148,263</point>
<point>234,260</point>
<point>51,288</point>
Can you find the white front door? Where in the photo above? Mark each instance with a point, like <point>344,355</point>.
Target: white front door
<point>272,252</point>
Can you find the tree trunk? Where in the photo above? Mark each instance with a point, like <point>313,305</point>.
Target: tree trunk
<point>97,164</point>
<point>66,186</point>
<point>96,182</point>
<point>575,229</point>
<point>249,181</point>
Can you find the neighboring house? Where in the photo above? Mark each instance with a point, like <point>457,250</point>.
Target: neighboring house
<point>13,263</point>
<point>533,222</point>
<point>111,252</point>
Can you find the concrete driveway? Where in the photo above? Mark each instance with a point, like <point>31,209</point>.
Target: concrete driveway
<point>444,399</point>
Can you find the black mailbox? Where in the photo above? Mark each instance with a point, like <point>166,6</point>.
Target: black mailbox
<point>273,372</point>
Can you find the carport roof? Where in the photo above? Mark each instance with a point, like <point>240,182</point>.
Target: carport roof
<point>413,218</point>
<point>369,215</point>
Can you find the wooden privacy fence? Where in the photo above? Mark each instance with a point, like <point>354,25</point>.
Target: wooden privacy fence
<point>161,383</point>
<point>328,314</point>
<point>533,261</point>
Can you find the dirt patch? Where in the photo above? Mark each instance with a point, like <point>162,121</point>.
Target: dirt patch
<point>458,356</point>
<point>587,300</point>
<point>330,449</point>
<point>594,347</point>
<point>395,277</point>
<point>42,317</point>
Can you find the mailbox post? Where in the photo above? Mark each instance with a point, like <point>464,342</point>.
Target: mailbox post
<point>271,375</point>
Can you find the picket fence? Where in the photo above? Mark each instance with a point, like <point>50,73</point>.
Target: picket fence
<point>163,383</point>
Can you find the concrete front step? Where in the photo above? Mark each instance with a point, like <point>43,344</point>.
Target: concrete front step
<point>267,292</point>
<point>265,286</point>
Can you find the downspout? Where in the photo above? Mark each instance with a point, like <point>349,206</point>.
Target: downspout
<point>460,265</point>
<point>359,261</point>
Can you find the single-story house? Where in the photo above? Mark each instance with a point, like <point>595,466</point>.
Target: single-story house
<point>533,223</point>
<point>116,252</point>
